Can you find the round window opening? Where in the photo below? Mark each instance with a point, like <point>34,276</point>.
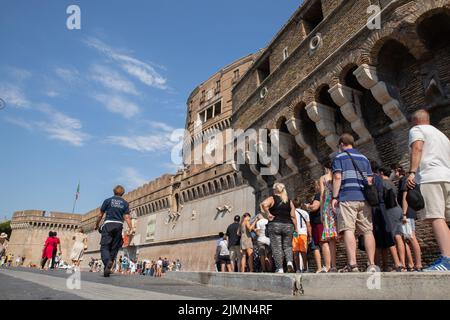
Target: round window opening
<point>315,42</point>
<point>263,93</point>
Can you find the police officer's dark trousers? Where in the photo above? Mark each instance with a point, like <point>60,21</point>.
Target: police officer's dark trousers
<point>111,242</point>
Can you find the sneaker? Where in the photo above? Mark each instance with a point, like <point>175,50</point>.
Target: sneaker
<point>441,265</point>
<point>290,267</point>
<point>372,268</point>
<point>279,271</point>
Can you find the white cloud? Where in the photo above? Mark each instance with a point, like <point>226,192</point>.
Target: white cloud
<point>156,142</point>
<point>19,73</point>
<point>112,80</point>
<point>142,71</point>
<point>20,122</point>
<point>62,127</point>
<point>161,125</point>
<point>118,104</point>
<point>132,178</point>
<point>51,93</point>
<point>14,96</point>
<point>57,126</point>
<point>69,75</point>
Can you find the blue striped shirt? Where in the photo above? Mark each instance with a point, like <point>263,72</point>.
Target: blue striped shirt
<point>352,182</point>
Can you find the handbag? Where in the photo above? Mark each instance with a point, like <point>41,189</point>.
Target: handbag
<point>415,199</point>
<point>370,191</point>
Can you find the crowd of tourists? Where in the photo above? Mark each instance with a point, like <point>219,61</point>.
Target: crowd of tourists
<point>357,202</point>
<point>126,266</point>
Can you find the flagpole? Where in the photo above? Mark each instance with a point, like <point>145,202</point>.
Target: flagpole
<point>74,204</point>
<point>76,197</point>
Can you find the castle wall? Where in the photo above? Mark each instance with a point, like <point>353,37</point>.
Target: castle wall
<point>29,243</point>
<point>190,238</point>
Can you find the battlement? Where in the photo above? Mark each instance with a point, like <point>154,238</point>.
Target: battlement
<point>45,219</point>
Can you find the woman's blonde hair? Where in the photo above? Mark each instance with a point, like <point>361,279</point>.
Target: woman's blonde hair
<point>279,189</point>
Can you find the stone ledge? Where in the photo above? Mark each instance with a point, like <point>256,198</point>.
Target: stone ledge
<point>392,286</point>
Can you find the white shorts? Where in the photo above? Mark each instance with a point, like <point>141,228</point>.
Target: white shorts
<point>437,200</point>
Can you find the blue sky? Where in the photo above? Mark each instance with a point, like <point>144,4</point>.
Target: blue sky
<point>97,105</point>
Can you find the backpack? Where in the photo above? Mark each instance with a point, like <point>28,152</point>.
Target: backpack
<point>389,197</point>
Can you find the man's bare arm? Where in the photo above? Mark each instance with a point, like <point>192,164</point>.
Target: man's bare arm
<point>127,218</point>
<point>416,157</point>
<point>99,219</point>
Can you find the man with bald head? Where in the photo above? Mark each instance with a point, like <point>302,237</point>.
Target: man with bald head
<point>430,168</point>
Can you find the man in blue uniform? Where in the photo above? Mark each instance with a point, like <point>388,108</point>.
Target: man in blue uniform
<point>117,211</point>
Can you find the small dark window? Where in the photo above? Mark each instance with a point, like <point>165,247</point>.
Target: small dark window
<point>218,108</point>
<point>209,113</point>
<point>236,75</point>
<point>263,70</point>
<point>313,16</point>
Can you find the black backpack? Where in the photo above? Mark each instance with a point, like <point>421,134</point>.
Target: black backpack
<point>390,199</point>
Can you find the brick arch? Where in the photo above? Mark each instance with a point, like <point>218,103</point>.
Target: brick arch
<point>430,15</point>
<point>217,186</point>
<point>293,105</point>
<point>231,182</point>
<point>403,30</point>
<point>211,187</point>
<point>347,62</point>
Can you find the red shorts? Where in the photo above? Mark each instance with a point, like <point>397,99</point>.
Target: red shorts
<point>317,231</point>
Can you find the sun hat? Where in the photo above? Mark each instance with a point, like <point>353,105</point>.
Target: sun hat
<point>3,235</point>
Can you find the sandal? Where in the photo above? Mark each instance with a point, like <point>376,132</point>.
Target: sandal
<point>349,268</point>
<point>400,269</point>
<point>418,270</point>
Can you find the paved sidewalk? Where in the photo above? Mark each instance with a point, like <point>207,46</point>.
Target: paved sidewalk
<point>31,284</point>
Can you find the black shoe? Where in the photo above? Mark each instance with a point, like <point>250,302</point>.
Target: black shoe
<point>107,271</point>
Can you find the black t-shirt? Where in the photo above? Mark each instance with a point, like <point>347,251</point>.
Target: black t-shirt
<point>281,211</point>
<point>115,208</point>
<point>314,216</point>
<point>232,233</point>
<point>402,187</point>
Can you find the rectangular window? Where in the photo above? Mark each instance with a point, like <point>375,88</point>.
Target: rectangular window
<point>209,113</point>
<point>218,86</point>
<point>203,116</point>
<point>285,53</point>
<point>218,109</point>
<point>236,76</point>
<point>263,70</point>
<point>203,98</point>
<point>313,16</point>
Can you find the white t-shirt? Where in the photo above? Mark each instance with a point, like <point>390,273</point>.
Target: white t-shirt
<point>223,244</point>
<point>435,163</point>
<point>261,226</point>
<point>301,222</point>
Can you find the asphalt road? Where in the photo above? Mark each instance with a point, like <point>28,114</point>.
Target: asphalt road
<point>31,284</point>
